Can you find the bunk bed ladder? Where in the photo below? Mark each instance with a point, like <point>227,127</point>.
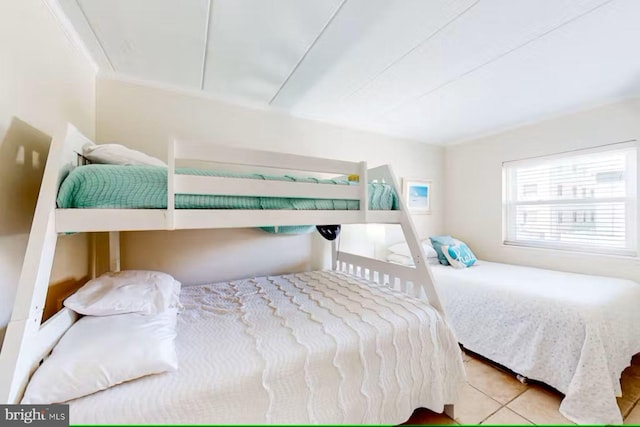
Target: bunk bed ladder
<point>25,343</point>
<point>419,278</point>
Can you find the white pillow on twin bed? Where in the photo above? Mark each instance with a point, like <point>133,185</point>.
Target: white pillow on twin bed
<point>117,154</point>
<point>99,352</point>
<point>403,249</point>
<point>407,260</point>
<point>130,291</point>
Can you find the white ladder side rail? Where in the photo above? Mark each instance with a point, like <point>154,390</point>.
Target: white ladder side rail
<point>423,271</point>
<point>417,251</point>
<point>19,356</point>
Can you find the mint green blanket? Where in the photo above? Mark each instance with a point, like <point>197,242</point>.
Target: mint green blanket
<point>145,187</point>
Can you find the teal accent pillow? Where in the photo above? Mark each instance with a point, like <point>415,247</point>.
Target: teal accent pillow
<point>437,242</point>
<point>459,255</point>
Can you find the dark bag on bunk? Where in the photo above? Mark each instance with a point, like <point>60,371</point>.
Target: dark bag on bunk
<point>329,232</point>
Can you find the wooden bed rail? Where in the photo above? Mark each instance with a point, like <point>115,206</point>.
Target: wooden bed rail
<point>191,150</point>
<point>225,155</point>
<point>396,276</point>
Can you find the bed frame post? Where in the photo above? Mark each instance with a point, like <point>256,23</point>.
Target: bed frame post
<point>364,192</point>
<point>171,183</point>
<point>114,251</point>
<point>334,254</point>
<point>93,261</point>
<point>449,411</point>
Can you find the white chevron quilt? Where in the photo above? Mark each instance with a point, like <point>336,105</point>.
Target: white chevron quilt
<point>318,347</point>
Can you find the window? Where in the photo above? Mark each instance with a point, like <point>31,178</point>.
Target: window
<point>582,201</point>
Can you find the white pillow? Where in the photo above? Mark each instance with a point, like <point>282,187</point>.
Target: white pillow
<point>99,352</point>
<point>130,291</point>
<point>407,260</point>
<point>117,154</point>
<point>403,249</point>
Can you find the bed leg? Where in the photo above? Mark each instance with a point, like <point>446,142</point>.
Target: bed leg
<point>114,251</point>
<point>448,411</point>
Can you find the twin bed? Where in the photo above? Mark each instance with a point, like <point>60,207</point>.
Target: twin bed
<point>574,332</point>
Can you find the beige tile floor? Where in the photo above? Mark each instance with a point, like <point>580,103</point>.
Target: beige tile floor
<point>492,396</point>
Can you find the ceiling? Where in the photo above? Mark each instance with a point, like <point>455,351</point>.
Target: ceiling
<point>437,71</point>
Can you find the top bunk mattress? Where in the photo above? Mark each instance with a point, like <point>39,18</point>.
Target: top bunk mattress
<point>145,187</point>
<point>317,347</point>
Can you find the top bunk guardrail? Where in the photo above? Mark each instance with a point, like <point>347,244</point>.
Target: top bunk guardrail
<point>86,220</point>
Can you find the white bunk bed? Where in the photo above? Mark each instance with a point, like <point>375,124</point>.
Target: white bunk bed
<point>28,341</point>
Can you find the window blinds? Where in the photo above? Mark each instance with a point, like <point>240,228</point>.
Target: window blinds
<point>585,200</point>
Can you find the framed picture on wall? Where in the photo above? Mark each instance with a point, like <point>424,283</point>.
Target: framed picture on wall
<point>417,195</point>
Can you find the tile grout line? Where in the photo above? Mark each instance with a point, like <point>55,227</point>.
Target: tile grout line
<point>636,404</point>
<point>518,413</point>
<point>485,394</point>
<point>503,405</point>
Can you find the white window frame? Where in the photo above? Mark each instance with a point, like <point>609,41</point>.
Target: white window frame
<point>632,217</point>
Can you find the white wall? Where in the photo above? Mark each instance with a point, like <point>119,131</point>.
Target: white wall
<point>144,117</point>
<point>45,82</point>
<point>473,200</point>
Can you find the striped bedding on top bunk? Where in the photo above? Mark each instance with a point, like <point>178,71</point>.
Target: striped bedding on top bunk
<point>145,187</point>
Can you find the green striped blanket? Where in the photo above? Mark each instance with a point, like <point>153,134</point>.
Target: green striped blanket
<point>145,187</point>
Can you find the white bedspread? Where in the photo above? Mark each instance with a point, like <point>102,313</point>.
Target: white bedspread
<point>574,332</point>
<point>319,347</point>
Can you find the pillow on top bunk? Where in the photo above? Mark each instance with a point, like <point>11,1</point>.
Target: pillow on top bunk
<point>403,249</point>
<point>117,154</point>
<point>99,352</point>
<point>459,255</point>
<point>438,242</point>
<point>131,291</point>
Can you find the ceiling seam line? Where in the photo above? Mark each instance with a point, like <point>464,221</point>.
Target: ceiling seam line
<point>404,55</point>
<point>496,58</point>
<point>295,68</point>
<point>70,31</point>
<point>95,36</point>
<point>206,44</point>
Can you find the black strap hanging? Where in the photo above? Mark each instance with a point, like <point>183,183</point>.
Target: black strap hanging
<point>329,232</point>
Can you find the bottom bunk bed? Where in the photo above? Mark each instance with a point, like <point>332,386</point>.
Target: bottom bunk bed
<point>574,332</point>
<point>317,347</point>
